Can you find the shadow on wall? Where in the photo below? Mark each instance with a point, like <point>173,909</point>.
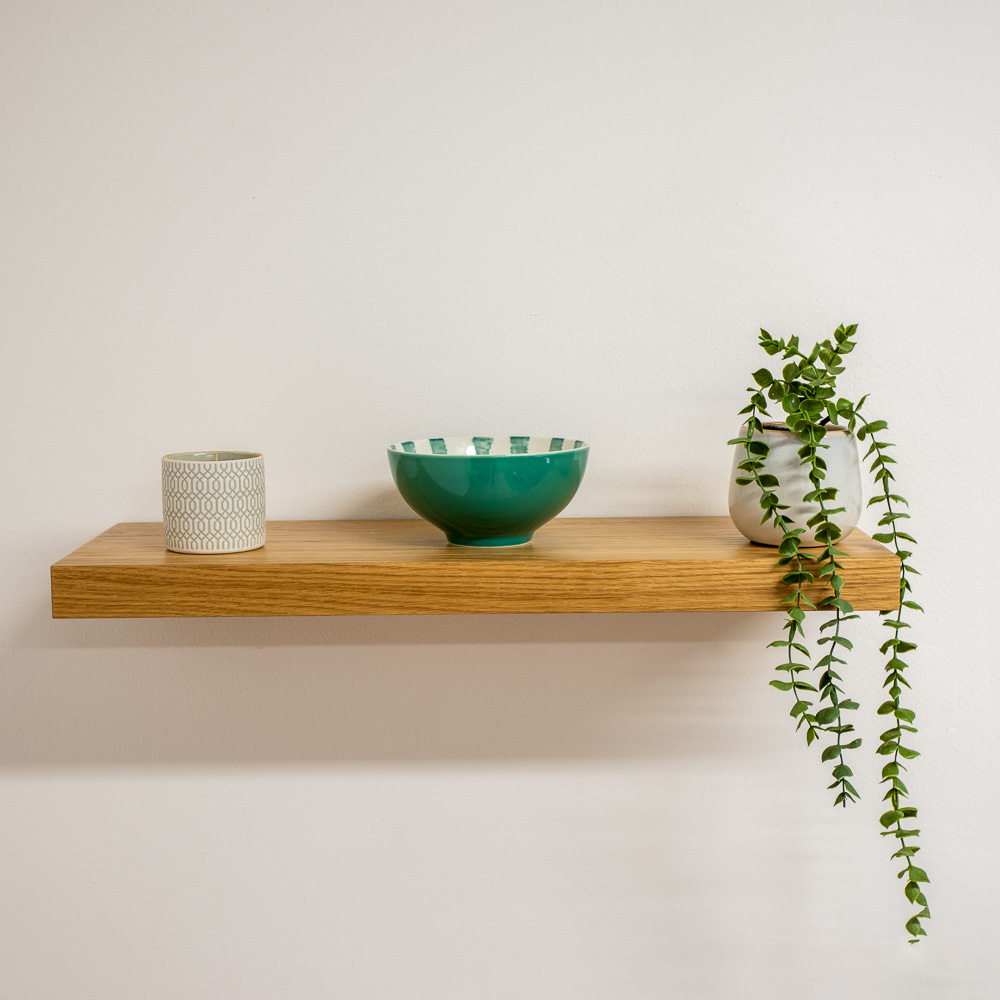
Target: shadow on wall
<point>385,689</point>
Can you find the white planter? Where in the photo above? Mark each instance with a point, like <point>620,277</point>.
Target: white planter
<point>213,502</point>
<point>843,472</point>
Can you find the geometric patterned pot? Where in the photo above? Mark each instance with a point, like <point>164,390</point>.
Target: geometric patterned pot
<point>213,501</point>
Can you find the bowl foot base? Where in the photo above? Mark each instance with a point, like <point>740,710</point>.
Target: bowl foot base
<point>493,543</point>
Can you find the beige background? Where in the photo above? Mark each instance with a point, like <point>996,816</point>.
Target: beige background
<point>310,229</point>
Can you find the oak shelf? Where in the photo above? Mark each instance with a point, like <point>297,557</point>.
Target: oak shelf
<point>404,567</point>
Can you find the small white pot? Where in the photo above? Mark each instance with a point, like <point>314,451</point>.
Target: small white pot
<point>213,502</point>
<point>843,472</point>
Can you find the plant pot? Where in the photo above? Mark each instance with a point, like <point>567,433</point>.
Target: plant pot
<point>213,502</point>
<point>843,471</point>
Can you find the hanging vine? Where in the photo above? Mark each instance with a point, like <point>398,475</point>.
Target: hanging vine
<point>806,390</point>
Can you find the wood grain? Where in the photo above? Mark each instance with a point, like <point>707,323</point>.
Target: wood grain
<point>404,567</point>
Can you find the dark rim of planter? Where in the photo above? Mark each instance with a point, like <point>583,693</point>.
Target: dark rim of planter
<point>784,427</point>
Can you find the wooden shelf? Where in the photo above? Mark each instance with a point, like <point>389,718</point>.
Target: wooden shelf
<point>630,564</point>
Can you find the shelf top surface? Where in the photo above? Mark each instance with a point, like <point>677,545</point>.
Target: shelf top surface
<point>597,539</point>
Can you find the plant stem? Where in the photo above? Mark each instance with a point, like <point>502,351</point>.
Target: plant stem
<point>895,681</point>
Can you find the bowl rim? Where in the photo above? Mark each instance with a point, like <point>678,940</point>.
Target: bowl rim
<point>396,448</point>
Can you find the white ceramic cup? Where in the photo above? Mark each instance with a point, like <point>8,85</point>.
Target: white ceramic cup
<point>213,501</point>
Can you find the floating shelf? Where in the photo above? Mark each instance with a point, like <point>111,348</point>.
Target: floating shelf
<point>620,564</point>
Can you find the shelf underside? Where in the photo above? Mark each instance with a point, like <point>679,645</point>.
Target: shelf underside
<point>404,567</point>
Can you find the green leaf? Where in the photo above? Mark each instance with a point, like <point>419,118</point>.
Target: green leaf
<point>908,753</point>
<point>842,771</point>
<point>840,604</point>
<point>789,546</point>
<point>917,874</point>
<point>798,708</point>
<point>830,752</point>
<point>826,715</point>
<point>853,745</point>
<point>828,533</point>
<point>781,685</point>
<point>896,516</point>
<point>890,817</point>
<point>896,643</point>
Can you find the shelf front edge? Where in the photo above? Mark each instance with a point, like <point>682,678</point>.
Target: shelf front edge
<point>447,587</point>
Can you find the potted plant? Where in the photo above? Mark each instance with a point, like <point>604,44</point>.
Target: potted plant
<point>808,505</point>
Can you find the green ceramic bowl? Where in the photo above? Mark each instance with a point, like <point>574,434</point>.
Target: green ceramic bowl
<point>488,491</point>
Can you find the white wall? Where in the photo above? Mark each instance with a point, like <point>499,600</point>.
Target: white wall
<point>313,228</point>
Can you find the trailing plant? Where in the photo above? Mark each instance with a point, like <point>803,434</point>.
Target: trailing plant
<point>806,391</point>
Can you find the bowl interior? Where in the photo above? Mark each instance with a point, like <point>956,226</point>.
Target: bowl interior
<point>490,444</point>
